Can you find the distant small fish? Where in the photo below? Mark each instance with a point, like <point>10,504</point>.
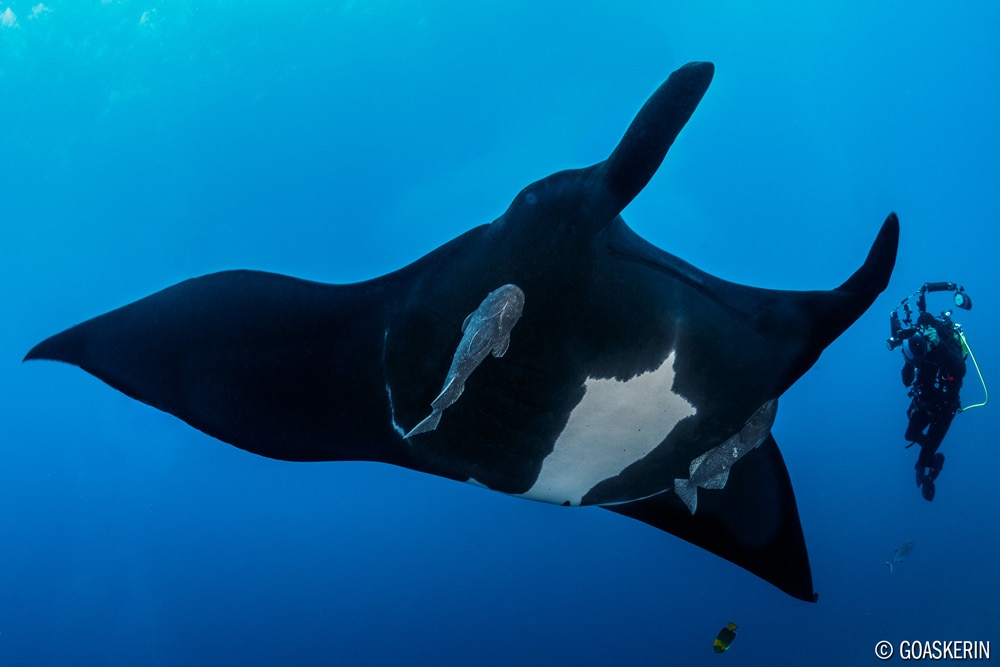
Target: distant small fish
<point>900,554</point>
<point>724,638</point>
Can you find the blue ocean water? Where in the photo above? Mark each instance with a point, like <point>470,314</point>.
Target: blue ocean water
<point>145,143</point>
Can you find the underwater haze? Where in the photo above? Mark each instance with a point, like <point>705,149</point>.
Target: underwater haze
<point>147,142</point>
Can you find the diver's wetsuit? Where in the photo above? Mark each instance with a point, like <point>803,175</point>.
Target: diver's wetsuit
<point>935,380</point>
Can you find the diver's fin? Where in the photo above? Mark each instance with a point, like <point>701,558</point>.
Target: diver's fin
<point>888,565</point>
<point>752,522</point>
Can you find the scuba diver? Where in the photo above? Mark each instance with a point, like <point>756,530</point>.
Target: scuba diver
<point>934,352</point>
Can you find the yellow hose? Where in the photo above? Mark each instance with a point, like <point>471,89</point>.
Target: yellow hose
<point>965,344</point>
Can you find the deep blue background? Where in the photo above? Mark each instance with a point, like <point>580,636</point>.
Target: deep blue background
<point>339,140</point>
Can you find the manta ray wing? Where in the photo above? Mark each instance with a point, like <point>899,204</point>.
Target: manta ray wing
<point>262,361</point>
<point>752,522</point>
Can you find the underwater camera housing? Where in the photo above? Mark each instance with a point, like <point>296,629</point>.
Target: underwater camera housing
<point>901,321</point>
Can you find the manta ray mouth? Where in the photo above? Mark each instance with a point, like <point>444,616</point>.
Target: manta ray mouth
<point>625,245</point>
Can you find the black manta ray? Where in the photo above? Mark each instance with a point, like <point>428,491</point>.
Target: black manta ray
<point>629,372</point>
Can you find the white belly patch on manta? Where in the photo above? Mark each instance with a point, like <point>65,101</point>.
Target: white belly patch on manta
<point>614,425</point>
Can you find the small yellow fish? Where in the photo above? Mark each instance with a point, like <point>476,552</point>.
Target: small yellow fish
<point>724,638</point>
